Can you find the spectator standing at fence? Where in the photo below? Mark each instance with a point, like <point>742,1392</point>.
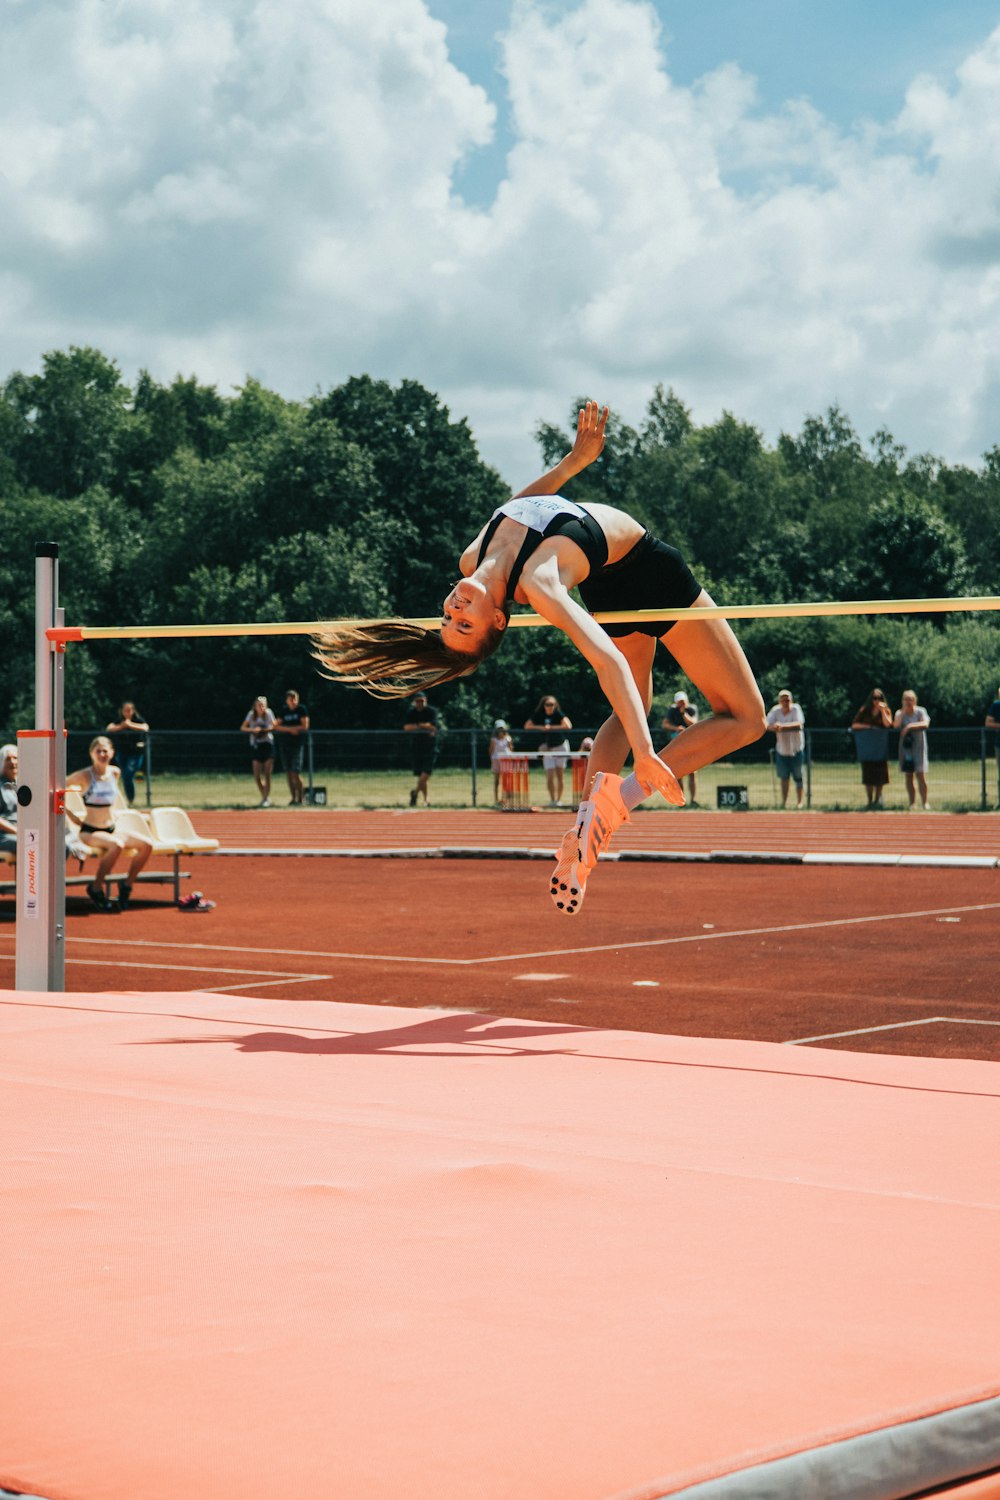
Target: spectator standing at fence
<point>421,725</point>
<point>912,722</point>
<point>98,785</point>
<point>501,744</point>
<point>259,727</point>
<point>871,725</point>
<point>548,716</point>
<point>293,726</point>
<point>128,738</point>
<point>681,714</point>
<point>992,721</point>
<point>785,722</point>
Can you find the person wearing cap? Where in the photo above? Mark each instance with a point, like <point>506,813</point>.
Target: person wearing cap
<point>680,716</point>
<point>422,724</point>
<point>785,722</point>
<point>501,744</point>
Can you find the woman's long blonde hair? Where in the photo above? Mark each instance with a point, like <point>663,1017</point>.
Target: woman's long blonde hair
<point>395,658</point>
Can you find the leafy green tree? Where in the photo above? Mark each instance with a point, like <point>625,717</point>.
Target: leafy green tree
<point>162,420</point>
<point>427,474</point>
<point>909,551</point>
<point>71,418</point>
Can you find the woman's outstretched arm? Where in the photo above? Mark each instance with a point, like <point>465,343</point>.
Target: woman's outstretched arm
<point>549,597</point>
<point>590,428</point>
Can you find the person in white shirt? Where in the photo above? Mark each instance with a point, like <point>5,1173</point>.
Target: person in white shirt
<point>912,721</point>
<point>785,721</point>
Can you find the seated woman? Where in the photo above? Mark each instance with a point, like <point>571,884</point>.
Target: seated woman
<point>98,784</point>
<point>533,551</point>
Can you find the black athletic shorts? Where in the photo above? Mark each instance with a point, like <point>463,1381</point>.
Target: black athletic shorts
<point>651,576</point>
<point>290,749</point>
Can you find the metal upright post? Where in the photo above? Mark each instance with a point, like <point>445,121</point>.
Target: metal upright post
<point>41,855</point>
<point>809,768</point>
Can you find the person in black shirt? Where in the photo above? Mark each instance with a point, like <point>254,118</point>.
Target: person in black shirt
<point>129,739</point>
<point>422,726</point>
<point>293,725</point>
<point>547,715</point>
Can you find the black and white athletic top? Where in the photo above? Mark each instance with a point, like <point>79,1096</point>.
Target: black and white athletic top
<point>100,791</point>
<point>545,516</point>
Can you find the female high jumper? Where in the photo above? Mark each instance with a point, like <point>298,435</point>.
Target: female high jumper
<point>532,551</point>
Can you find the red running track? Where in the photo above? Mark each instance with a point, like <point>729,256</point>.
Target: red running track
<point>691,830</point>
<point>899,960</point>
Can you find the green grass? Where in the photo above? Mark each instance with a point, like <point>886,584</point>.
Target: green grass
<point>954,786</point>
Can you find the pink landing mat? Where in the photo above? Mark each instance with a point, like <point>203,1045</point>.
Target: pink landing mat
<point>263,1248</point>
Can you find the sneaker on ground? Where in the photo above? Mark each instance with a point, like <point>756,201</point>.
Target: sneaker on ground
<point>569,878</point>
<point>124,895</point>
<point>264,802</point>
<point>599,817</point>
<point>98,897</point>
<point>195,902</point>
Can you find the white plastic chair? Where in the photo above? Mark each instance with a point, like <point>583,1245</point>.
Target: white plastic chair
<point>132,822</point>
<point>173,827</point>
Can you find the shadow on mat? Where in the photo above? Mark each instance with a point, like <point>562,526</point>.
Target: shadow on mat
<point>451,1031</point>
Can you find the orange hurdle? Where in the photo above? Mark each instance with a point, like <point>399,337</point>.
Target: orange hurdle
<point>515,794</point>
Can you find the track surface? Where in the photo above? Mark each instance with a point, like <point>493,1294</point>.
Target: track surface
<point>899,961</point>
<point>690,829</point>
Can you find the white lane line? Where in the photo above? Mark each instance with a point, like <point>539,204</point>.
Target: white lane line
<point>708,937</point>
<point>262,984</point>
<point>701,936</point>
<point>96,963</point>
<point>381,958</point>
<point>829,1036</point>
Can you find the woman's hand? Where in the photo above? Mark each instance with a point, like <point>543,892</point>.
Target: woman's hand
<point>590,428</point>
<point>655,774</point>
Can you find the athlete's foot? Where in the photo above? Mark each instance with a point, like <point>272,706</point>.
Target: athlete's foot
<point>569,878</point>
<point>599,817</point>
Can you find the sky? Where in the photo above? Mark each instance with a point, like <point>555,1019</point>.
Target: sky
<point>771,207</point>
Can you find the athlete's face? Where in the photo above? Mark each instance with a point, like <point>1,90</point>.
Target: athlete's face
<point>468,616</point>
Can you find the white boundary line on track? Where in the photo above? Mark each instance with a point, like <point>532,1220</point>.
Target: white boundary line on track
<point>830,1036</point>
<point>499,958</point>
<point>261,984</point>
<point>282,976</point>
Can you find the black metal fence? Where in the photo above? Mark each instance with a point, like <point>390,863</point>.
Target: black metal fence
<point>353,768</point>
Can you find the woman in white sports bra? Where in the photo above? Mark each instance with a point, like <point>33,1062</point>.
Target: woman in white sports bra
<point>99,785</point>
<point>533,551</point>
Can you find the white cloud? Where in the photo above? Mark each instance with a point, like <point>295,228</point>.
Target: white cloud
<point>228,188</point>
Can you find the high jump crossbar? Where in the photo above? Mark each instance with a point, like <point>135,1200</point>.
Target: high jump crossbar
<point>64,635</point>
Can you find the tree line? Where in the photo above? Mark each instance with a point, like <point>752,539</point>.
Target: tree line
<point>174,503</point>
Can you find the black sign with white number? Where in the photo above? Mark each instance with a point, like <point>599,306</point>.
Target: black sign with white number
<point>734,797</point>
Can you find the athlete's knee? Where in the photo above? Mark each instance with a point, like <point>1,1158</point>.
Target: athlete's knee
<point>748,719</point>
